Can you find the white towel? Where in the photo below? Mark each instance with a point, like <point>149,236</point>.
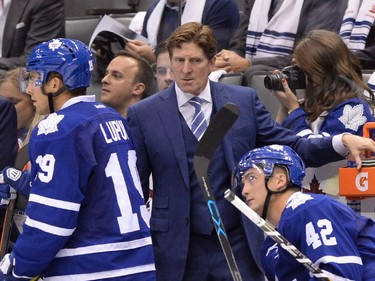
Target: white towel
<point>216,75</point>
<point>371,82</point>
<point>193,12</point>
<point>357,22</point>
<point>276,37</point>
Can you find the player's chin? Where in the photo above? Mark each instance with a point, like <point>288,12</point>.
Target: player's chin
<point>105,96</point>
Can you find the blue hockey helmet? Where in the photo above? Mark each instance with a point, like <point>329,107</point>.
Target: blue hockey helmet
<point>267,157</point>
<point>71,58</point>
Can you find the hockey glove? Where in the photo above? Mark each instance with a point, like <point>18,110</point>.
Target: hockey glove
<point>6,267</point>
<point>12,179</point>
<point>7,192</point>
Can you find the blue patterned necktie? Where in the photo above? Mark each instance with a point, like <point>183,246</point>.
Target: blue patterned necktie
<point>199,124</point>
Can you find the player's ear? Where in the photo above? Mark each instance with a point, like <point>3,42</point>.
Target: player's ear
<point>54,84</point>
<point>282,181</point>
<point>139,88</point>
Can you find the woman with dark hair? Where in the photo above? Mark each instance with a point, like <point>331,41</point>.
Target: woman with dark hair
<point>336,100</point>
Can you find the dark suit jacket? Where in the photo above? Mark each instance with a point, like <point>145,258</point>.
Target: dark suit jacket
<point>157,134</point>
<point>315,14</point>
<point>30,22</point>
<point>8,133</point>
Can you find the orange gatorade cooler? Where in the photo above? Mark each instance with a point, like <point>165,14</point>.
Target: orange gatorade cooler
<point>360,184</point>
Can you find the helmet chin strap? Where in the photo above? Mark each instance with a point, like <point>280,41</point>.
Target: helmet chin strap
<point>268,197</point>
<point>51,96</point>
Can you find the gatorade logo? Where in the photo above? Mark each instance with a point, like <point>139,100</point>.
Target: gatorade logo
<point>361,182</point>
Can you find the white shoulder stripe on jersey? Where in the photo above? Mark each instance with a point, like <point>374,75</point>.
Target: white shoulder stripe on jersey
<point>54,202</point>
<point>104,274</point>
<point>110,247</point>
<point>340,260</point>
<point>49,228</point>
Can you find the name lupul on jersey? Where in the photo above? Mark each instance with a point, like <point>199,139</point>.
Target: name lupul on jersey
<point>113,131</point>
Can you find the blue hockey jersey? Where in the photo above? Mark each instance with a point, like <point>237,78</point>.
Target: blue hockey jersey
<point>86,217</point>
<point>346,117</point>
<point>339,241</point>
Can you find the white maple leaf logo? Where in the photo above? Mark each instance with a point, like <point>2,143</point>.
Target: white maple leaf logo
<point>298,200</point>
<point>49,125</point>
<point>54,44</point>
<point>352,117</point>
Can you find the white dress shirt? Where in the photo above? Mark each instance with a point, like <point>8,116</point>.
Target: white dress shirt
<point>187,110</point>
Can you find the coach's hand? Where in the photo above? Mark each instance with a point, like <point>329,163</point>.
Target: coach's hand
<point>357,145</point>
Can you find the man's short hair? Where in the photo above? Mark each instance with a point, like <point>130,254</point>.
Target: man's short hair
<point>193,32</point>
<point>160,48</point>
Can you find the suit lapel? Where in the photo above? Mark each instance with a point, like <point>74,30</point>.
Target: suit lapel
<point>170,117</point>
<point>16,10</point>
<point>221,96</point>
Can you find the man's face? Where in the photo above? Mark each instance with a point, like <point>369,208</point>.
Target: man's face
<point>39,100</point>
<point>191,68</point>
<point>164,74</point>
<point>254,189</point>
<point>22,102</point>
<point>118,83</point>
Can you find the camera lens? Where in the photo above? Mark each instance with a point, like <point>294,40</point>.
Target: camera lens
<point>273,82</point>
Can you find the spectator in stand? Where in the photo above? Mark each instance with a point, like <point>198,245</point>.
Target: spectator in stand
<point>24,24</point>
<point>162,18</point>
<point>333,103</point>
<point>163,70</point>
<point>128,79</point>
<point>358,31</point>
<point>254,42</point>
<point>252,48</point>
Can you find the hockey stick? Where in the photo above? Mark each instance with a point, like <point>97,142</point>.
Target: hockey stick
<point>21,160</point>
<point>275,235</point>
<point>212,137</point>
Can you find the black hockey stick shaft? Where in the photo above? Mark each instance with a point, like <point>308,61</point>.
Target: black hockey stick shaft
<point>207,146</point>
<point>275,235</point>
<point>21,160</point>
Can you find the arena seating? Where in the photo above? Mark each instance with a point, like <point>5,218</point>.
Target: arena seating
<point>81,28</point>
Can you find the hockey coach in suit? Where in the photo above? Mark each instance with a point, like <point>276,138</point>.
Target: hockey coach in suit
<point>185,243</point>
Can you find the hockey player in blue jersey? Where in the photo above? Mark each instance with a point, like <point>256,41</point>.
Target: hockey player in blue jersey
<point>86,217</point>
<point>339,241</point>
